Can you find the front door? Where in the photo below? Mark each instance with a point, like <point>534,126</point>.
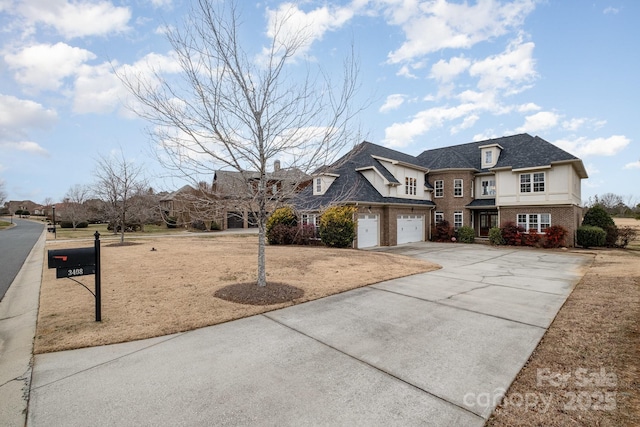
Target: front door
<point>488,220</point>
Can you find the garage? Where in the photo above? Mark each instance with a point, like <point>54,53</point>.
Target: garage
<point>410,228</point>
<point>367,230</point>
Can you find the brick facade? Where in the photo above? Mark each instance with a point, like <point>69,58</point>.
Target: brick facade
<point>569,217</point>
<point>448,204</point>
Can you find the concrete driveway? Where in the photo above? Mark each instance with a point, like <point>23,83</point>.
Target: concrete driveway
<point>438,348</point>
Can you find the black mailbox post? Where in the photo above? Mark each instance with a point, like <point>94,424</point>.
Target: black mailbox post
<point>70,263</point>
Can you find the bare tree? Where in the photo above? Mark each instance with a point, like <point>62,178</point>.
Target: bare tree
<point>47,203</point>
<point>118,180</point>
<point>73,205</point>
<point>3,193</point>
<point>238,110</point>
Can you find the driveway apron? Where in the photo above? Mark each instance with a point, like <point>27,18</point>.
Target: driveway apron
<point>438,348</point>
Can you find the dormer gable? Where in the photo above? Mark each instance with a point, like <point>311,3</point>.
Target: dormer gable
<point>322,182</point>
<point>489,155</point>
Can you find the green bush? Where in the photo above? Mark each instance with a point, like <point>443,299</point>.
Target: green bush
<point>337,227</point>
<point>495,236</point>
<point>598,217</point>
<point>172,222</point>
<point>198,224</point>
<point>69,224</point>
<point>281,226</point>
<point>215,226</point>
<point>589,236</point>
<point>466,234</point>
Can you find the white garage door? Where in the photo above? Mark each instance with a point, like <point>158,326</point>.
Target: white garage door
<point>367,230</point>
<point>410,228</point>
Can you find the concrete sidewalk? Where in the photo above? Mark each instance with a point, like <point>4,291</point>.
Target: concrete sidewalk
<point>18,317</point>
<point>437,348</point>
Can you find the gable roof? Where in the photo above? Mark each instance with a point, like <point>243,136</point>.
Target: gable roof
<point>519,152</point>
<point>351,185</point>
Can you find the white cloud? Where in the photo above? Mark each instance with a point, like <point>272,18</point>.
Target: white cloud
<point>402,134</point>
<point>539,121</point>
<point>436,25</point>
<point>573,124</point>
<point>44,66</point>
<point>16,115</point>
<point>99,90</point>
<point>582,147</point>
<point>28,146</point>
<point>289,22</point>
<point>611,10</point>
<point>508,70</point>
<point>393,102</point>
<point>79,18</point>
<point>527,108</point>
<point>633,165</point>
<point>446,71</point>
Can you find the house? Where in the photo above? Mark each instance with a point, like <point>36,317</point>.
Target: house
<point>236,192</point>
<point>178,205</point>
<point>519,178</point>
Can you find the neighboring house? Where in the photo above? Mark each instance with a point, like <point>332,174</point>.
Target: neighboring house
<point>485,184</point>
<point>178,205</point>
<point>235,192</point>
<point>23,205</point>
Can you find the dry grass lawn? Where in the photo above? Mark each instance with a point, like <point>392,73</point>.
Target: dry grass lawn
<point>149,293</point>
<point>597,331</point>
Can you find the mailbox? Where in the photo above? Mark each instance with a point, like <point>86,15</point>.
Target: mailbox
<point>65,258</point>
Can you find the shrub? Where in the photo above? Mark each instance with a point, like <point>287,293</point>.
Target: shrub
<point>611,236</point>
<point>495,236</point>
<point>466,234</point>
<point>598,217</point>
<point>281,226</point>
<point>589,235</point>
<point>304,234</point>
<point>69,224</point>
<point>556,236</point>
<point>337,227</point>
<point>198,224</point>
<point>443,232</point>
<point>215,226</point>
<point>626,235</point>
<point>512,234</point>
<point>172,222</point>
<point>532,238</point>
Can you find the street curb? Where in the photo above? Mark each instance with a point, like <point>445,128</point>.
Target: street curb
<point>18,317</point>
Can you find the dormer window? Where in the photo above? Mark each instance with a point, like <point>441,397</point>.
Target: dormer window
<point>318,185</point>
<point>488,157</point>
<point>490,154</point>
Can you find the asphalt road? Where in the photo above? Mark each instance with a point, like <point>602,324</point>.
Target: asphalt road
<point>15,245</point>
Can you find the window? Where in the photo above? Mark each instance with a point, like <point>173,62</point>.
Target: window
<point>457,219</point>
<point>488,187</point>
<point>538,222</point>
<point>439,186</point>
<point>488,157</point>
<point>457,188</point>
<point>410,186</point>
<point>472,192</point>
<point>318,185</point>
<point>439,217</point>
<point>311,219</point>
<point>527,178</point>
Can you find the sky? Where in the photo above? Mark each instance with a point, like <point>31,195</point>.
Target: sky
<point>432,73</point>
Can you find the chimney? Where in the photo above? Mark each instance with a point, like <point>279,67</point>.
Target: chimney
<point>276,165</point>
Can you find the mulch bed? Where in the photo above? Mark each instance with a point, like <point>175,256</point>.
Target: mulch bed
<point>252,294</point>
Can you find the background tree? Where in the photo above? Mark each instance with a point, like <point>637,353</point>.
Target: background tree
<point>73,207</point>
<point>241,110</point>
<point>48,203</point>
<point>3,193</point>
<point>117,181</point>
<point>144,208</point>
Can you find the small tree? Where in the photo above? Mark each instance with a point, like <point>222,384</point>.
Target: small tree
<point>118,180</point>
<point>73,209</point>
<point>241,106</point>
<point>337,227</point>
<point>598,216</point>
